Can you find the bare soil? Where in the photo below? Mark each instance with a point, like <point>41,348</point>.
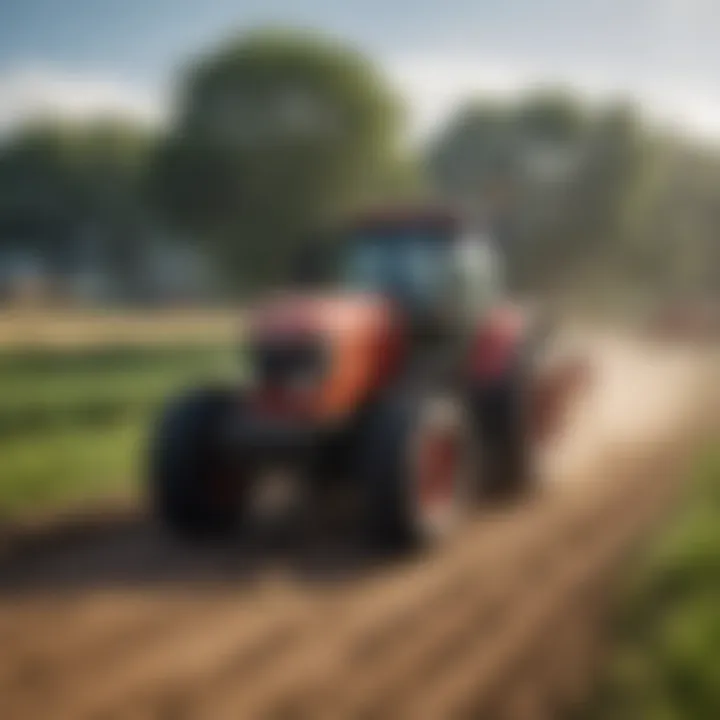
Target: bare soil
<point>504,621</point>
<point>42,328</point>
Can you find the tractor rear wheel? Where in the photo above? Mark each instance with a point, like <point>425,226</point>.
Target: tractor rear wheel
<point>508,465</point>
<point>194,490</point>
<point>415,470</point>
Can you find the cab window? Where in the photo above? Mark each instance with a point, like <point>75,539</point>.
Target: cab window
<point>476,281</point>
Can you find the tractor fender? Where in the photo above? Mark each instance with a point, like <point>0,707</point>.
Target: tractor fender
<point>496,345</point>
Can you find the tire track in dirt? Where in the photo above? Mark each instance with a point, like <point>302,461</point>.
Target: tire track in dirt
<point>136,627</point>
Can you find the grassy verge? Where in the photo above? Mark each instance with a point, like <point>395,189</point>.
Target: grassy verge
<point>70,466</point>
<point>666,665</point>
<point>73,423</point>
<point>46,390</point>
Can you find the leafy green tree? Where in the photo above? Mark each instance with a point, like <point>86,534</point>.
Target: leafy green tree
<point>577,184</point>
<point>514,162</point>
<point>277,132</point>
<point>73,190</point>
<point>474,148</point>
<point>550,116</point>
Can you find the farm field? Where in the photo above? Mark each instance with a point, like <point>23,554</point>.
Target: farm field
<point>75,403</point>
<point>506,621</point>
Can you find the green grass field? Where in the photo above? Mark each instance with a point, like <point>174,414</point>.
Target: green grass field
<point>666,663</point>
<point>74,421</point>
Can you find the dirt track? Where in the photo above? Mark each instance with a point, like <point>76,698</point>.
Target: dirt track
<point>500,623</point>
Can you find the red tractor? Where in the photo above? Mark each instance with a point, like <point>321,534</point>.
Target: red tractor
<point>411,381</point>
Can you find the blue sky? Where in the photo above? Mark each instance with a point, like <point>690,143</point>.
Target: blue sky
<point>83,56</point>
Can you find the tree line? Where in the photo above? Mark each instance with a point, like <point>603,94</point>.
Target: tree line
<point>277,134</point>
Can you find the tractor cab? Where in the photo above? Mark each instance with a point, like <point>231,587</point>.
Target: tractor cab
<point>443,276</point>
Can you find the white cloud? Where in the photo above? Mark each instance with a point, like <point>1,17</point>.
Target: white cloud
<point>433,87</point>
<point>32,93</point>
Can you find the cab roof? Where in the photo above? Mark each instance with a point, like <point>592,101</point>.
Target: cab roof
<point>407,217</point>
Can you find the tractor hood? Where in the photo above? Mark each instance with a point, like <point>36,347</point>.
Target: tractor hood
<point>297,315</point>
<point>323,356</point>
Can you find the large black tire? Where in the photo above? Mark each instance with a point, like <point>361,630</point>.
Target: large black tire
<point>508,467</point>
<point>393,519</point>
<point>193,489</point>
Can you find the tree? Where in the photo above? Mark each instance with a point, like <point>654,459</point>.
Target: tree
<point>550,116</point>
<point>579,183</point>
<point>514,162</point>
<point>277,132</point>
<point>75,192</point>
<point>475,147</point>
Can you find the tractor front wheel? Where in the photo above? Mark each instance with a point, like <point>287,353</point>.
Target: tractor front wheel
<point>193,484</point>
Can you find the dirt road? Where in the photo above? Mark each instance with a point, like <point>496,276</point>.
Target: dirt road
<point>501,623</point>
